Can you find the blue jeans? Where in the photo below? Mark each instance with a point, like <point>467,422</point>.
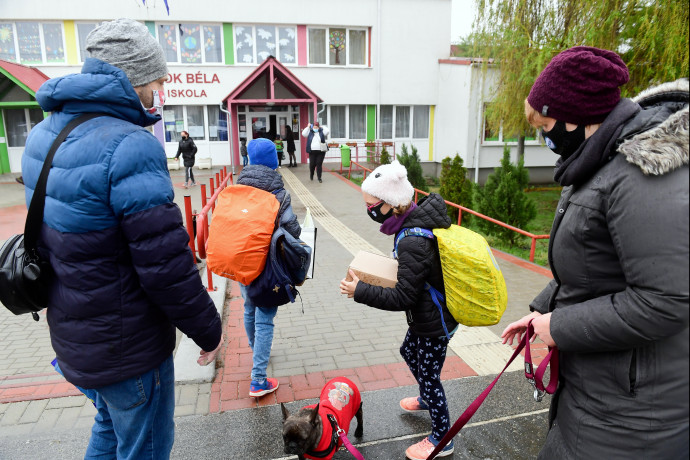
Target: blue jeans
<point>258,322</point>
<point>245,160</point>
<point>135,417</point>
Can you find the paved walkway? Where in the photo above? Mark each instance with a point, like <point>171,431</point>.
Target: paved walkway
<point>322,335</point>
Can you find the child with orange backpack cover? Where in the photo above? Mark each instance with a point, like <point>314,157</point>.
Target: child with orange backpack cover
<point>258,321</point>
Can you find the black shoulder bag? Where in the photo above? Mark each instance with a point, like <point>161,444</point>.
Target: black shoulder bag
<point>24,276</point>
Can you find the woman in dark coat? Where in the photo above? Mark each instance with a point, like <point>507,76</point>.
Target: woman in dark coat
<point>290,142</point>
<point>187,149</point>
<point>617,308</point>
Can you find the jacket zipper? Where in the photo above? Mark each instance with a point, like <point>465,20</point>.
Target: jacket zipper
<point>632,373</point>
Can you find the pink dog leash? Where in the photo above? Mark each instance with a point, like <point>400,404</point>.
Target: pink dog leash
<point>346,442</point>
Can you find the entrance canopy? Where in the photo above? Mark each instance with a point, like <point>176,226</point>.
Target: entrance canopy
<point>270,84</point>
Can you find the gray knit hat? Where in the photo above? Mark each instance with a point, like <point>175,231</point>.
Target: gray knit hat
<point>128,45</point>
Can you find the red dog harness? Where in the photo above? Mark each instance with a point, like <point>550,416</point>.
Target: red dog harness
<point>338,403</point>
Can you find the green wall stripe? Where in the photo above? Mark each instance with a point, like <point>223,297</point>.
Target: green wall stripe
<point>371,122</point>
<point>4,155</point>
<point>228,41</point>
<point>152,27</point>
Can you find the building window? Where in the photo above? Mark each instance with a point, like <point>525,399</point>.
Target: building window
<point>83,30</point>
<point>500,137</point>
<point>420,121</point>
<point>338,125</point>
<point>189,43</point>
<point>342,47</point>
<point>217,124</point>
<point>386,122</point>
<point>18,123</point>
<point>402,122</point>
<point>32,43</point>
<point>173,120</point>
<point>358,122</point>
<point>255,43</point>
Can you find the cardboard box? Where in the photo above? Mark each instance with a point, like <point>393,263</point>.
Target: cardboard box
<point>374,269</point>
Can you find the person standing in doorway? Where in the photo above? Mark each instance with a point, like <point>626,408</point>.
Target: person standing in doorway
<point>316,147</point>
<point>279,150</point>
<point>187,149</point>
<point>290,146</point>
<point>243,152</point>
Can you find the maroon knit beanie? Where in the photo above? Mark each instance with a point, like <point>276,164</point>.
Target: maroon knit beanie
<point>580,85</point>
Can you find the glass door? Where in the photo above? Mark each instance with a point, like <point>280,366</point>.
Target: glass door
<point>260,126</point>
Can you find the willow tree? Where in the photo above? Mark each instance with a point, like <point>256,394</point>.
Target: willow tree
<point>519,38</point>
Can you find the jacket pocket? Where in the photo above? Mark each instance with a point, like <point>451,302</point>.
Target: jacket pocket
<point>625,371</point>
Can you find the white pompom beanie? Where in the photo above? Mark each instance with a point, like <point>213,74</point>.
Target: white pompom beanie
<point>389,183</point>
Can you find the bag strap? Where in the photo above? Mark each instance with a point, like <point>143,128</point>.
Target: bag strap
<point>34,218</point>
<point>472,408</point>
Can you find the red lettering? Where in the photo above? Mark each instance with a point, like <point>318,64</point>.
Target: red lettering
<point>199,77</point>
<point>215,79</point>
<point>190,93</point>
<point>203,93</point>
<point>190,78</point>
<point>177,78</point>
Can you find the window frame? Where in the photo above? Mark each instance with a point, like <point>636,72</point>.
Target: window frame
<point>347,64</point>
<point>81,58</point>
<point>201,40</point>
<point>44,61</point>
<point>501,141</point>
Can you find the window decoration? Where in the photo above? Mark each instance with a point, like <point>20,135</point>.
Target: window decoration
<point>8,51</point>
<point>32,43</point>
<point>212,44</point>
<point>336,45</point>
<point>254,44</point>
<point>190,43</point>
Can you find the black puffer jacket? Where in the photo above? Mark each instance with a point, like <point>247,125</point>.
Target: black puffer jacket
<point>265,178</point>
<point>418,263</point>
<point>188,149</point>
<point>619,299</point>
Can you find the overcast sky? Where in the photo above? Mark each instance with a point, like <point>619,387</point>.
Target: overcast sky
<point>462,15</point>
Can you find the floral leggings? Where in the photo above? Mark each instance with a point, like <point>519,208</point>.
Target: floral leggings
<point>425,356</point>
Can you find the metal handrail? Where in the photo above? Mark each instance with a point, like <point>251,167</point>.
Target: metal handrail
<point>202,218</point>
<point>460,209</point>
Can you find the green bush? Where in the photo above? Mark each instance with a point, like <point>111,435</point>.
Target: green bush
<point>503,198</point>
<point>414,168</point>
<point>455,187</point>
<point>385,157</point>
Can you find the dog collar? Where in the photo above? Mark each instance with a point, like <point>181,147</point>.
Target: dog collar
<point>334,440</point>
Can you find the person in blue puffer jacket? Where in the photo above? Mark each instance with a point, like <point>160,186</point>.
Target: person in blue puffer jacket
<point>124,275</point>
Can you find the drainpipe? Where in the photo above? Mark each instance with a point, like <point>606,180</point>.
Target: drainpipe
<point>480,127</point>
<point>322,109</point>
<point>230,128</point>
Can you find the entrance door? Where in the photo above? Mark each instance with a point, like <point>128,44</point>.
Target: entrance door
<point>260,126</point>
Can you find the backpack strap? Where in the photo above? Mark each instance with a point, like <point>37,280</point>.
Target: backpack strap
<point>436,295</point>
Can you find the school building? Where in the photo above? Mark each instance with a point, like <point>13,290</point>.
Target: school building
<point>371,70</point>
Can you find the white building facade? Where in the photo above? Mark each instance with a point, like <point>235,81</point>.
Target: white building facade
<point>372,70</point>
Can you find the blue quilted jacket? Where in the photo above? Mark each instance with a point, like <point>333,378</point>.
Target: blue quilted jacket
<point>124,275</point>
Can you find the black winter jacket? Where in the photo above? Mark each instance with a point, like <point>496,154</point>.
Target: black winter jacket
<point>418,263</point>
<point>619,298</point>
<point>265,178</point>
<point>188,149</point>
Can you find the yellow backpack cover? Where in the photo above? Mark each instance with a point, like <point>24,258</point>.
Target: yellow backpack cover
<point>476,292</point>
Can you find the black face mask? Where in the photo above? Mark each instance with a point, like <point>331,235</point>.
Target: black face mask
<point>563,142</point>
<point>376,214</point>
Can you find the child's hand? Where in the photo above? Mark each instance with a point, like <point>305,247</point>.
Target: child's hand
<point>349,287</point>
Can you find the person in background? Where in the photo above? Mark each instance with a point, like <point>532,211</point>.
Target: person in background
<point>258,321</point>
<point>290,146</point>
<point>243,152</point>
<point>187,148</point>
<point>123,276</point>
<point>617,308</point>
<point>316,147</point>
<point>279,150</point>
<point>388,198</point>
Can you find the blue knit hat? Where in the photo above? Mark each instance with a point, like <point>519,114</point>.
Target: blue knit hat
<point>262,152</point>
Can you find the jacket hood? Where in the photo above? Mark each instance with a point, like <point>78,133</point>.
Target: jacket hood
<point>431,212</point>
<point>656,139</point>
<point>261,177</point>
<point>100,87</point>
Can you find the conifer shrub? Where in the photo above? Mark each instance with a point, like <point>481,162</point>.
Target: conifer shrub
<point>503,198</point>
<point>455,187</point>
<point>414,168</point>
<point>385,157</point>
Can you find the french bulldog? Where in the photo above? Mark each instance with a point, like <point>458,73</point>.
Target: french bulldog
<point>309,431</point>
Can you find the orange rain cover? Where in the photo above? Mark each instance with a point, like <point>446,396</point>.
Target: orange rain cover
<point>240,233</point>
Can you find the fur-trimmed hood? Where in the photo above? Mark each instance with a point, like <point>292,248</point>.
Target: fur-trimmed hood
<point>656,139</point>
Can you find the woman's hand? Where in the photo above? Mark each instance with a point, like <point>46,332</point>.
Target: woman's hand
<point>542,329</point>
<point>517,328</point>
<point>349,287</point>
